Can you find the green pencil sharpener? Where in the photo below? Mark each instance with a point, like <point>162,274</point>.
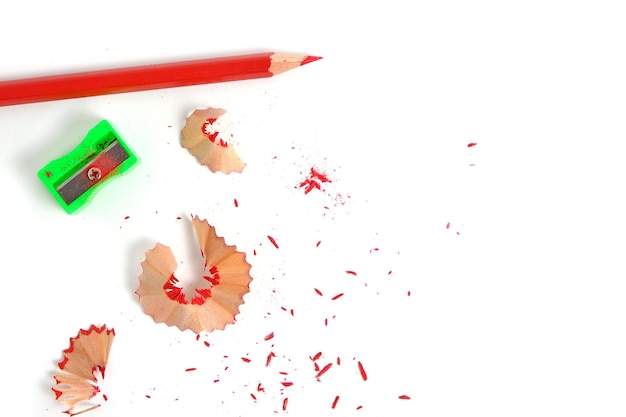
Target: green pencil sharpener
<point>75,177</point>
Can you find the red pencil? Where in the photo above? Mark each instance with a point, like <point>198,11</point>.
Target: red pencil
<point>148,77</point>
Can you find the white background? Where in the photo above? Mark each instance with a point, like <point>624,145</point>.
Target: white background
<point>516,309</point>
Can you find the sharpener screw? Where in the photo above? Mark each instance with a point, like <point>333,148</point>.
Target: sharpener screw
<point>94,173</point>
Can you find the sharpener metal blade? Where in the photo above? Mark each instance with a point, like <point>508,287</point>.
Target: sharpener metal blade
<point>93,172</point>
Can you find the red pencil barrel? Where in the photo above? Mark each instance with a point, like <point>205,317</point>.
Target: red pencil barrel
<point>140,78</point>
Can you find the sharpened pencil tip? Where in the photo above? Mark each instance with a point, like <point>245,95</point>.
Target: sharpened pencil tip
<point>310,58</point>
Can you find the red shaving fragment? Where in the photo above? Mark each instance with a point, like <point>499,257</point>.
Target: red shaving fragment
<point>283,373</point>
<point>287,384</point>
<point>408,293</point>
<point>317,291</point>
<point>326,322</point>
<point>190,369</point>
<point>319,175</point>
<point>335,402</point>
<point>127,217</point>
<point>246,359</point>
<point>259,388</point>
<point>318,243</point>
<point>316,367</point>
<point>253,396</point>
<point>448,225</point>
<point>351,272</point>
<point>359,407</point>
<point>285,403</point>
<point>337,296</point>
<point>404,397</point>
<point>469,145</point>
<point>197,337</point>
<point>273,241</point>
<point>291,311</point>
<point>236,203</point>
<point>317,356</point>
<point>269,336</point>
<point>104,396</point>
<point>362,371</point>
<point>207,344</point>
<point>338,360</point>
<point>324,370</point>
<point>269,358</point>
<point>147,396</point>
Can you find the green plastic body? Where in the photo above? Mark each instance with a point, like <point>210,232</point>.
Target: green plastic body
<point>75,177</point>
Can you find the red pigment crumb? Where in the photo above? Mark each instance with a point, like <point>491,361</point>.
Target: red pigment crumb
<point>178,218</point>
<point>285,403</point>
<point>408,293</point>
<point>313,181</point>
<point>254,252</point>
<point>389,273</point>
<point>317,356</point>
<point>216,380</point>
<point>207,344</point>
<point>338,360</point>
<point>323,370</point>
<point>127,217</point>
<point>359,407</point>
<point>190,369</point>
<point>259,388</point>
<point>325,322</point>
<point>469,145</point>
<point>253,396</point>
<point>48,174</point>
<point>105,397</point>
<point>337,296</point>
<point>351,272</point>
<point>269,358</point>
<point>273,241</point>
<point>147,396</point>
<point>269,336</point>
<point>335,402</point>
<point>318,243</point>
<point>197,337</point>
<point>448,225</point>
<point>236,203</point>
<point>317,291</point>
<point>316,367</point>
<point>404,397</point>
<point>362,371</point>
<point>245,359</point>
<point>287,384</point>
<point>291,311</point>
<point>283,373</point>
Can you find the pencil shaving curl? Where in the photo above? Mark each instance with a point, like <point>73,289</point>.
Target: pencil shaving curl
<point>87,355</point>
<point>226,272</point>
<point>201,138</point>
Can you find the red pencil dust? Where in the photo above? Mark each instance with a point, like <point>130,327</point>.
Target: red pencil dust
<point>323,370</point>
<point>148,77</point>
<point>362,371</point>
<point>273,241</point>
